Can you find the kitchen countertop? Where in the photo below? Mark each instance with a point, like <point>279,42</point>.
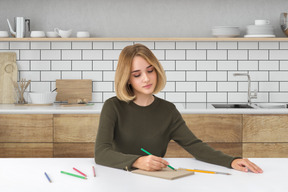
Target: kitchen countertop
<point>96,109</point>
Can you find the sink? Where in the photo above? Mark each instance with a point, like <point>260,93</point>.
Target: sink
<point>232,106</point>
<point>271,105</point>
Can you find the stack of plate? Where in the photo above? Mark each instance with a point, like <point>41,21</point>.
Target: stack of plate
<point>260,31</point>
<point>225,31</point>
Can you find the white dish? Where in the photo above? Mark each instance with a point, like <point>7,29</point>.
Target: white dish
<point>37,34</point>
<point>43,98</point>
<point>226,31</point>
<point>259,36</point>
<point>51,34</point>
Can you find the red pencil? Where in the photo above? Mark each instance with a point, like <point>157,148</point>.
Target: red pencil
<point>94,171</point>
<point>80,172</point>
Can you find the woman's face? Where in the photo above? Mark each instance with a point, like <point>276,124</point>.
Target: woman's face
<point>143,77</point>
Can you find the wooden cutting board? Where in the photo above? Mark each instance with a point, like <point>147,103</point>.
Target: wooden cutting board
<point>73,89</point>
<point>8,74</point>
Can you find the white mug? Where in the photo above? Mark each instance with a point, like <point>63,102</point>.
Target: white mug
<point>262,22</point>
<point>4,34</point>
<point>83,34</point>
<point>63,33</point>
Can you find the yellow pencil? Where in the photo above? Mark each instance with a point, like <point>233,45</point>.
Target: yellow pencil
<point>205,171</point>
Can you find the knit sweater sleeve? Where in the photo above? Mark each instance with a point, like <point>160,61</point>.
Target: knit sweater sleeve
<point>104,152</point>
<point>200,150</point>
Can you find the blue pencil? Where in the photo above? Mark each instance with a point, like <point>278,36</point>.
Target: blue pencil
<point>48,177</point>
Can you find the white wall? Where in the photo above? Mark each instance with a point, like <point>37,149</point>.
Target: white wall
<point>142,18</point>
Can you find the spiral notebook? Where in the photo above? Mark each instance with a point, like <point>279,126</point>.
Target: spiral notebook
<point>165,173</point>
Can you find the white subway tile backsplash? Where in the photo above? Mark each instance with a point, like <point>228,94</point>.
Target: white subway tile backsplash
<point>206,45</point>
<point>50,54</point>
<point>40,65</point>
<point>206,86</point>
<point>269,45</point>
<point>175,54</point>
<point>175,97</point>
<point>268,65</point>
<point>30,54</point>
<point>206,65</point>
<point>164,45</point>
<point>121,45</point>
<point>196,97</point>
<point>93,75</point>
<point>196,54</point>
<point>61,65</point>
<point>4,45</point>
<point>71,54</point>
<point>216,76</point>
<point>248,45</point>
<point>185,45</point>
<point>197,72</point>
<point>71,75</point>
<point>175,75</point>
<point>216,54</point>
<point>227,45</point>
<point>196,76</point>
<point>248,65</point>
<point>102,65</point>
<point>61,45</point>
<point>40,45</point>
<point>278,54</point>
<point>102,45</point>
<point>81,45</point>
<point>111,54</point>
<point>81,65</point>
<point>269,86</point>
<point>227,65</point>
<point>217,97</point>
<point>185,86</point>
<point>237,54</point>
<point>19,45</point>
<point>258,54</point>
<point>92,54</point>
<point>50,75</point>
<point>185,65</point>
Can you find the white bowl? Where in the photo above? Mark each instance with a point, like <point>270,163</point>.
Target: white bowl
<point>37,34</point>
<point>226,31</point>
<point>43,98</point>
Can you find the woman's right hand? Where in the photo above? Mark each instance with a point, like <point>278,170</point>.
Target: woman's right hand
<point>150,163</point>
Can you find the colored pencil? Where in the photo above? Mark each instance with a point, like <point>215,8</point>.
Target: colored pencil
<point>94,171</point>
<point>205,171</point>
<point>47,177</point>
<point>80,172</point>
<point>71,174</point>
<point>151,154</point>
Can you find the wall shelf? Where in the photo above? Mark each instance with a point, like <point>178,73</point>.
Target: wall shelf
<point>146,39</point>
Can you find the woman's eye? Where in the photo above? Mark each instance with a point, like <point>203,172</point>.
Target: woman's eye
<point>150,71</point>
<point>136,75</point>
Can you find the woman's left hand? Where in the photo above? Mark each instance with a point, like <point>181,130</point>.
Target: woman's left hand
<point>245,165</point>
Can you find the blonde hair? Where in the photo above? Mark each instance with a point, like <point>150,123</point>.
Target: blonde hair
<point>124,91</point>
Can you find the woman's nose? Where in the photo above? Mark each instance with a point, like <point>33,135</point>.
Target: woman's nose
<point>145,77</point>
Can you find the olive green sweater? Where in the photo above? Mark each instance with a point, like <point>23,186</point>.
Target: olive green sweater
<point>126,127</point>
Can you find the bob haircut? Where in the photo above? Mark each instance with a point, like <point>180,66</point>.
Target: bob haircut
<point>124,91</point>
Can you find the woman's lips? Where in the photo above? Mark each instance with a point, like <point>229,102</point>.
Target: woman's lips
<point>147,86</point>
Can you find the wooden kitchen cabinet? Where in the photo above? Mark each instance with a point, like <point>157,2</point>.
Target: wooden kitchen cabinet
<point>75,134</point>
<point>265,135</point>
<point>26,135</point>
<point>221,132</point>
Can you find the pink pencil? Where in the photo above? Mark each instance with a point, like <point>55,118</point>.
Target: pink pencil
<point>80,172</point>
<point>94,171</point>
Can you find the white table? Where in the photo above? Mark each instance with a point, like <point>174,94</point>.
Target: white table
<point>27,175</point>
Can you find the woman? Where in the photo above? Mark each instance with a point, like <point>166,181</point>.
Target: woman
<point>136,118</point>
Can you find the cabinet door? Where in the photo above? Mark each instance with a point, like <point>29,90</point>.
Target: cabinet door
<point>75,127</point>
<point>26,135</point>
<point>215,127</point>
<point>265,128</point>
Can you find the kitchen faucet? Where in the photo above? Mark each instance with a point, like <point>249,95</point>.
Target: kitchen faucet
<point>250,96</point>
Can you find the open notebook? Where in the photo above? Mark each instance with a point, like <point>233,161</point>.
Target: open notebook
<point>165,173</point>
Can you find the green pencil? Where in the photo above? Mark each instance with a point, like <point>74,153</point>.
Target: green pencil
<point>71,174</point>
<point>151,154</point>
